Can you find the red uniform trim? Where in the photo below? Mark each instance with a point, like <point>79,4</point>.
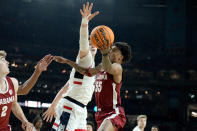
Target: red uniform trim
<point>55,124</point>
<point>77,82</point>
<point>68,108</point>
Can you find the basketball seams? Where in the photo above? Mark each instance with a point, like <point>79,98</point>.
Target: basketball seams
<point>97,30</point>
<point>108,34</point>
<point>100,35</point>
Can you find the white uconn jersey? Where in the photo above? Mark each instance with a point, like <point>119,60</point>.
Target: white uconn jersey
<point>81,87</point>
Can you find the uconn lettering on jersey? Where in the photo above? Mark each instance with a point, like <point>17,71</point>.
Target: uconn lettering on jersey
<point>6,100</point>
<point>98,82</point>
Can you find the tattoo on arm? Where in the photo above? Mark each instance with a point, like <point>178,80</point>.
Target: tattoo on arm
<point>83,71</point>
<point>77,67</point>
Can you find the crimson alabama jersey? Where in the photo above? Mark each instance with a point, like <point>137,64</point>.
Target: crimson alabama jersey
<point>6,100</point>
<point>107,92</point>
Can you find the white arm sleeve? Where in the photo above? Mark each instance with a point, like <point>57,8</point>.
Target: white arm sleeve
<point>84,34</point>
<point>86,61</point>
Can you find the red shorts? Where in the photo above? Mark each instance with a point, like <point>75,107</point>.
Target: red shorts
<point>116,116</point>
<point>5,128</point>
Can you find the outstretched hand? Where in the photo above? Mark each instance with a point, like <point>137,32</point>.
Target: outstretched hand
<point>86,11</point>
<point>43,63</point>
<point>27,126</point>
<point>60,59</point>
<point>49,114</point>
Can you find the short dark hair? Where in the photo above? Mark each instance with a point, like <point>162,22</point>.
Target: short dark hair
<point>36,119</point>
<point>125,50</point>
<point>91,123</point>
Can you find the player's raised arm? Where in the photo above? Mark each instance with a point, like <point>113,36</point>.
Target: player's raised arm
<point>84,34</point>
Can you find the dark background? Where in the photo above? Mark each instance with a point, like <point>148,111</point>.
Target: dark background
<point>161,78</point>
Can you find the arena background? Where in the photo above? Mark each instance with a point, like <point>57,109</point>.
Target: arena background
<point>161,79</point>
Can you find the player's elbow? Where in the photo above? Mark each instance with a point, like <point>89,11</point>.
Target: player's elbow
<point>22,92</point>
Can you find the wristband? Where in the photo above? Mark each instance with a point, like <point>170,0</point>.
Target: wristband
<point>85,21</point>
<point>106,54</point>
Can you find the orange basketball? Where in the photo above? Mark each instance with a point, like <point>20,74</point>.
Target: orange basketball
<point>100,35</point>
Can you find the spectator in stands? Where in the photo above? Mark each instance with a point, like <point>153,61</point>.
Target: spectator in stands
<point>37,122</point>
<point>154,128</point>
<point>141,123</point>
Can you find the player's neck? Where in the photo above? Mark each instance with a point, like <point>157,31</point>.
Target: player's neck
<point>2,83</point>
<point>2,78</point>
<point>142,128</point>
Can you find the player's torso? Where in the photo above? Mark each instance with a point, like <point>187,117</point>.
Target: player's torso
<point>81,87</point>
<point>6,99</point>
<point>107,92</point>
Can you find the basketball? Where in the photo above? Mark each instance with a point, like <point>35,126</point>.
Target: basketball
<point>100,35</point>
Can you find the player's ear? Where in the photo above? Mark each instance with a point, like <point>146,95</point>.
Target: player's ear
<point>121,58</point>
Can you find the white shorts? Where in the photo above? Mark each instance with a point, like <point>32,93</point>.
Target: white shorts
<point>70,117</point>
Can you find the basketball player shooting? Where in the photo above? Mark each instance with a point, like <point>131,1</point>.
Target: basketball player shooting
<point>71,112</point>
<point>110,115</point>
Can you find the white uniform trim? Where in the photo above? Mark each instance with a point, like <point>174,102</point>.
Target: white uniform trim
<point>114,103</point>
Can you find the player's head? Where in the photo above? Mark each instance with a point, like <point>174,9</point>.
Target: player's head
<point>120,53</point>
<point>154,128</point>
<point>4,70</point>
<point>37,122</point>
<point>90,126</point>
<point>141,121</point>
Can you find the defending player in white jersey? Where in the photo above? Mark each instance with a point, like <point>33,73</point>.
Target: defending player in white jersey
<point>71,112</point>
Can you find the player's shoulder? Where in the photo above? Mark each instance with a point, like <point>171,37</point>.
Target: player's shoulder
<point>15,82</point>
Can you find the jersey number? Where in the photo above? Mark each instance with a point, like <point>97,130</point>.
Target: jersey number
<point>98,86</point>
<point>4,109</point>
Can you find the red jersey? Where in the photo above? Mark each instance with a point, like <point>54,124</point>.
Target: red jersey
<point>107,92</point>
<point>108,100</point>
<point>6,100</point>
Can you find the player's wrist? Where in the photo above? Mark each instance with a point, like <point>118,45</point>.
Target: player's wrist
<point>84,21</point>
<point>105,54</point>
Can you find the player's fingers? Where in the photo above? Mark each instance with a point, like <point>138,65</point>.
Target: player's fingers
<point>81,12</point>
<point>44,115</point>
<point>84,7</point>
<point>46,57</point>
<point>87,6</point>
<point>51,118</point>
<point>49,60</point>
<point>93,15</point>
<point>47,118</point>
<point>28,128</point>
<point>90,8</point>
